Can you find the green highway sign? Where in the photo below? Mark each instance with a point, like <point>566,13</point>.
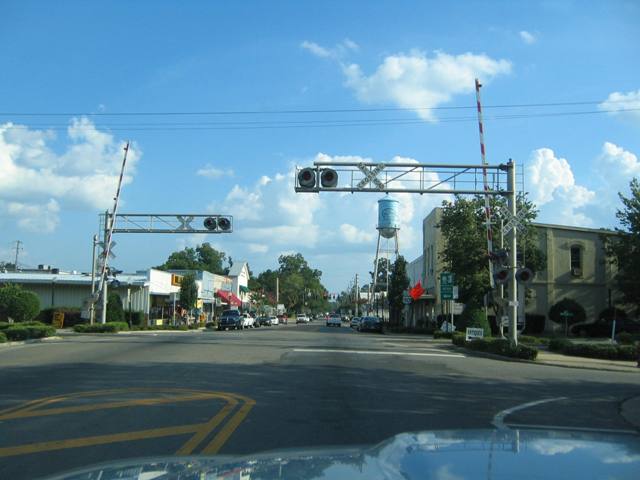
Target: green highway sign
<point>447,278</point>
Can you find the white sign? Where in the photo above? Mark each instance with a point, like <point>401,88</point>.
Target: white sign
<point>505,320</point>
<point>455,292</point>
<point>513,303</point>
<point>447,327</point>
<point>472,333</point>
<point>458,308</point>
<point>370,176</point>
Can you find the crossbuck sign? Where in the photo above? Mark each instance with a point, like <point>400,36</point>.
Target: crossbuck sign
<point>370,176</point>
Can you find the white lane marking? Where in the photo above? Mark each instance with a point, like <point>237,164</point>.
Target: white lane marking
<point>579,429</point>
<point>498,419</point>
<point>377,352</point>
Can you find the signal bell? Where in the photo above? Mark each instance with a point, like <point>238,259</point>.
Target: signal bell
<point>224,223</point>
<point>210,223</point>
<point>307,178</point>
<point>329,178</point>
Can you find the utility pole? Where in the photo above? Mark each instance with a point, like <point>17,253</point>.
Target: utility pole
<point>18,248</point>
<point>357,296</point>
<point>513,254</point>
<point>277,292</point>
<point>92,308</point>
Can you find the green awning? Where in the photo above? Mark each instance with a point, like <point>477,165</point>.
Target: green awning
<point>244,289</point>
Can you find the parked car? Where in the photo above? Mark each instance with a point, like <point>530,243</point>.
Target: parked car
<point>274,320</point>
<point>334,321</point>
<point>231,320</point>
<point>302,318</point>
<point>248,321</point>
<point>264,321</point>
<point>282,318</point>
<point>355,321</point>
<point>370,324</point>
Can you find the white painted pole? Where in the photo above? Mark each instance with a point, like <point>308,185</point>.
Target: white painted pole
<point>513,244</point>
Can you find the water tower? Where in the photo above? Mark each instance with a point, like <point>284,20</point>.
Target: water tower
<point>388,226</point>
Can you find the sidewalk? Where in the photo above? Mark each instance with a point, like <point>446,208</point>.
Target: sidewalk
<point>557,359</point>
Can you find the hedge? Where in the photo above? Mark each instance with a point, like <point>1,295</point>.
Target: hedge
<point>109,327</point>
<point>626,338</point>
<point>18,332</point>
<point>159,327</point>
<point>441,334</point>
<point>3,337</point>
<point>533,340</point>
<point>594,350</point>
<point>496,346</point>
<point>71,315</point>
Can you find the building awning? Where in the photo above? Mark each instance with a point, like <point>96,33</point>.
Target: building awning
<point>229,297</point>
<point>244,289</point>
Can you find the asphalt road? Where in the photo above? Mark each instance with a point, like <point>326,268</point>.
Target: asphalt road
<point>88,399</point>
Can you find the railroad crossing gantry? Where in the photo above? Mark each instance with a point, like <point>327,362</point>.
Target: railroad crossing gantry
<point>421,178</point>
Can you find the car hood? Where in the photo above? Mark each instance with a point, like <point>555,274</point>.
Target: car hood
<point>438,455</point>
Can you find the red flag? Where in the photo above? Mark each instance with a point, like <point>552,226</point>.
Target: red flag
<point>417,291</point>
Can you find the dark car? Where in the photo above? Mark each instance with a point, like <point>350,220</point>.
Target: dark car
<point>231,319</point>
<point>370,324</point>
<point>264,321</point>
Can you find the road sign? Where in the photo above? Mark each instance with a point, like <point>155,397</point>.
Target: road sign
<point>370,176</point>
<point>446,292</point>
<point>472,333</point>
<point>447,278</point>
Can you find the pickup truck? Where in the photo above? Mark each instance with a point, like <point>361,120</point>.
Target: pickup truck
<point>231,320</point>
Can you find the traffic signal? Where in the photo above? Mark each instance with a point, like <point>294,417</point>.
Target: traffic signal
<point>524,276</point>
<point>218,224</point>
<point>501,276</point>
<point>307,178</point>
<point>329,178</point>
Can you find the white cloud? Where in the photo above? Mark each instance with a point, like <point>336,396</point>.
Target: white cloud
<point>34,217</point>
<point>623,104</point>
<point>552,185</point>
<point>419,82</point>
<point>339,51</point>
<point>210,171</point>
<point>353,234</point>
<point>315,49</point>
<point>257,248</point>
<point>34,176</point>
<point>618,162</point>
<point>527,37</point>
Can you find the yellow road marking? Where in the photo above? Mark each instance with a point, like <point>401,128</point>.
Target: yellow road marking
<point>29,412</point>
<point>98,440</point>
<point>200,430</point>
<point>201,434</point>
<point>224,434</point>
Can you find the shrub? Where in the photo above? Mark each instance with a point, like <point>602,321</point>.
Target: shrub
<point>474,317</point>
<point>458,339</point>
<point>19,304</point>
<point>3,337</point>
<point>109,327</point>
<point>533,340</point>
<point>625,338</point>
<point>5,325</point>
<point>497,346</point>
<point>41,331</point>
<point>441,334</point>
<point>71,315</point>
<point>137,318</point>
<point>115,312</point>
<point>609,313</point>
<point>17,332</point>
<point>570,305</point>
<point>558,344</point>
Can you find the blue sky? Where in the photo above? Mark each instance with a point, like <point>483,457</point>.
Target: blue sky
<point>81,58</point>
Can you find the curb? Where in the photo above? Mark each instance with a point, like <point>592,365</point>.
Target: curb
<point>536,362</point>
<point>30,341</point>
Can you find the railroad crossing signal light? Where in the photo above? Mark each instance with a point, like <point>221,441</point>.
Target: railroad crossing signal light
<point>501,276</point>
<point>217,224</point>
<point>224,224</point>
<point>329,178</point>
<point>307,178</point>
<point>210,223</point>
<point>524,276</point>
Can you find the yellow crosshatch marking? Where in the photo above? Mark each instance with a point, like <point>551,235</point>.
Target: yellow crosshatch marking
<point>200,431</point>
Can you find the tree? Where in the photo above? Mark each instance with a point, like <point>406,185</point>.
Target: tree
<point>188,291</point>
<point>575,311</point>
<point>115,311</point>
<point>18,304</point>
<point>398,285</point>
<point>465,251</point>
<point>300,285</point>
<point>203,257</point>
<point>7,266</point>
<point>383,265</point>
<point>623,250</point>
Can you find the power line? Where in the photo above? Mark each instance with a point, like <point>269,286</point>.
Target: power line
<point>305,111</point>
<point>260,125</point>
